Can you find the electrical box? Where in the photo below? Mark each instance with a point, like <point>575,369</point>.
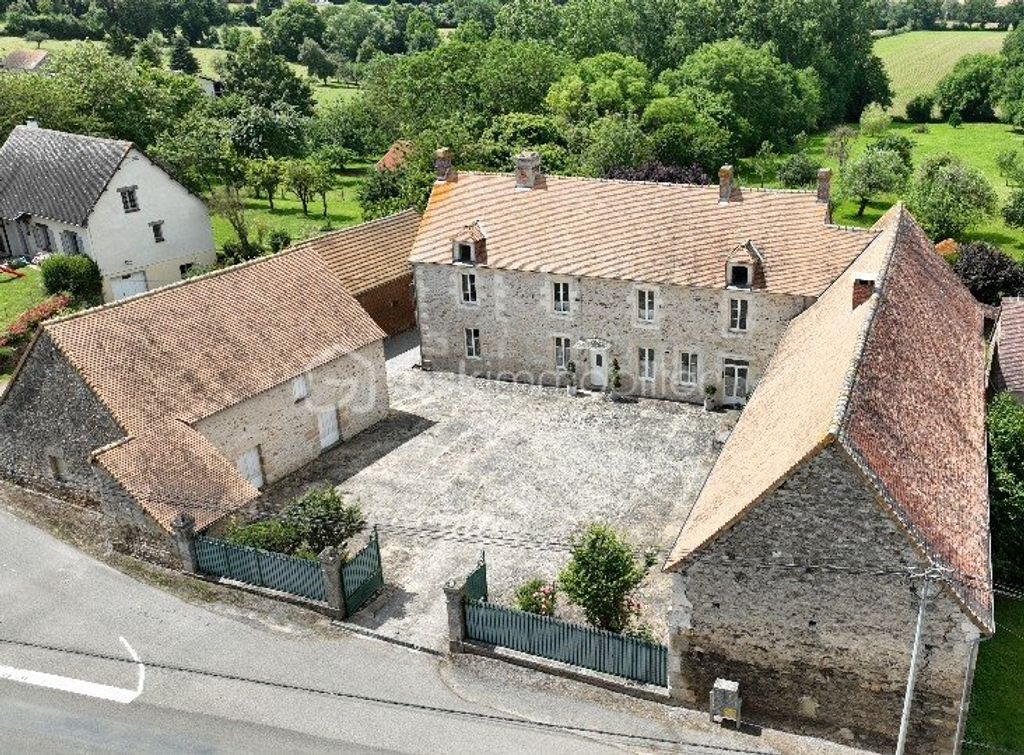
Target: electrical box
<point>725,701</point>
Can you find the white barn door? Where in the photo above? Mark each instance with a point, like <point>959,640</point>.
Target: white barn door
<point>250,467</point>
<point>129,285</point>
<point>328,421</point>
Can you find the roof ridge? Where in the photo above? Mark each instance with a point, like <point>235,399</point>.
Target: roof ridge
<point>167,287</point>
<point>106,139</point>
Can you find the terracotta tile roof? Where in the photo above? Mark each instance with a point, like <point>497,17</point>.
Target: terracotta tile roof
<point>170,357</point>
<point>54,174</point>
<point>396,155</point>
<point>24,60</point>
<point>1011,342</point>
<point>368,255</point>
<point>900,389</point>
<point>173,469</point>
<point>658,233</point>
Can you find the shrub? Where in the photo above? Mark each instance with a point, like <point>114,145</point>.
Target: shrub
<point>1013,210</point>
<point>76,275</point>
<point>537,596</point>
<point>601,576</point>
<point>874,121</point>
<point>23,328</point>
<point>988,272</point>
<point>798,171</point>
<point>322,518</point>
<point>919,109</point>
<point>278,239</point>
<point>271,534</point>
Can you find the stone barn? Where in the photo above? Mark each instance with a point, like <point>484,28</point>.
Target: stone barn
<point>853,488</point>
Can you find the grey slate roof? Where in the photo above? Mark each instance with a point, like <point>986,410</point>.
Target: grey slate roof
<point>55,175</point>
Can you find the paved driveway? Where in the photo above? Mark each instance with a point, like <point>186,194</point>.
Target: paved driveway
<point>464,464</point>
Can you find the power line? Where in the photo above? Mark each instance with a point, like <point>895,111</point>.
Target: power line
<point>390,702</point>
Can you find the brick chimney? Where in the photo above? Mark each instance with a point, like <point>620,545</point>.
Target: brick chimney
<point>824,185</point>
<point>443,165</point>
<point>863,287</point>
<point>724,184</point>
<point>528,170</point>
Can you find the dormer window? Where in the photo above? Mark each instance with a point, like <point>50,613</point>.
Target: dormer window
<point>739,276</point>
<point>463,253</point>
<point>470,246</point>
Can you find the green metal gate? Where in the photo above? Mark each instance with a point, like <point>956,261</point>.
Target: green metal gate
<point>363,575</point>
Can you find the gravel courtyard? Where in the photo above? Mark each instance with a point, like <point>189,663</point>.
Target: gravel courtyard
<point>464,464</point>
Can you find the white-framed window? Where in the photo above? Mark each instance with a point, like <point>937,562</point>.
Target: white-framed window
<point>300,387</point>
<point>468,288</point>
<point>129,198</point>
<point>735,374</point>
<point>689,366</point>
<point>250,466</point>
<point>473,343</point>
<point>463,252</point>
<point>740,276</point>
<point>561,296</point>
<point>70,243</point>
<point>563,352</point>
<point>738,309</point>
<point>158,231</point>
<point>44,241</point>
<point>645,364</point>
<point>645,305</point>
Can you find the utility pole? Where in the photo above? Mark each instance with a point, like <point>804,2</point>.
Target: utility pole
<point>927,591</point>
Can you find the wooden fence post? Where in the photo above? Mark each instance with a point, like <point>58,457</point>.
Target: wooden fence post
<point>184,526</point>
<point>455,598</point>
<point>331,563</point>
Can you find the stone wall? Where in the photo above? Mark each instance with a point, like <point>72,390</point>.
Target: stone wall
<point>821,651</point>
<point>518,325</point>
<point>286,430</point>
<point>50,411</point>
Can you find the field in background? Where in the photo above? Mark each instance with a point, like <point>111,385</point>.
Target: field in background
<point>918,59</point>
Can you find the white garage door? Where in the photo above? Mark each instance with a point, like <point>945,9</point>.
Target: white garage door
<point>251,467</point>
<point>129,285</point>
<point>328,421</point>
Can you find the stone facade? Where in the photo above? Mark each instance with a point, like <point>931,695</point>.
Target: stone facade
<point>390,305</point>
<point>518,324</point>
<point>286,430</point>
<point>52,421</point>
<point>821,651</point>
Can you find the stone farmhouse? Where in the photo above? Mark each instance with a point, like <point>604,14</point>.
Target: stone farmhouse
<point>372,262</point>
<point>853,485</point>
<point>682,287</point>
<point>192,397</point>
<point>73,194</point>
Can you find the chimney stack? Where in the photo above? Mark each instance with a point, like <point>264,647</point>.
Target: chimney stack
<point>528,170</point>
<point>824,185</point>
<point>724,184</point>
<point>443,164</point>
<point>863,288</point>
<point>32,123</point>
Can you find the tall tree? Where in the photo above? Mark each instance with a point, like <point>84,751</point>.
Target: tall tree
<point>256,74</point>
<point>319,64</point>
<point>286,27</point>
<point>538,20</point>
<point>948,197</point>
<point>182,57</point>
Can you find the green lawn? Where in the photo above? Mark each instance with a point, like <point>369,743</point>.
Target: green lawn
<point>19,294</point>
<point>976,143</point>
<point>917,60</point>
<point>997,705</point>
<point>342,210</point>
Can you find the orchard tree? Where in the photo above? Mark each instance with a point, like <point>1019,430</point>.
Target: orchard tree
<point>182,57</point>
<point>875,121</point>
<point>318,63</point>
<point>948,197</point>
<point>259,132</point>
<point>265,176</point>
<point>1013,210</point>
<point>36,37</point>
<point>840,143</point>
<point>874,172</point>
<point>199,153</point>
<point>262,78</point>
<point>301,179</point>
<point>988,272</point>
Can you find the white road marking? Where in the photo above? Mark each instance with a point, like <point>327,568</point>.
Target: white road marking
<point>79,686</point>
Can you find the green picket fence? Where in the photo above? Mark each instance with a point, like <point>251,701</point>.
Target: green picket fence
<point>254,566</point>
<point>363,575</point>
<point>476,583</point>
<point>577,645</point>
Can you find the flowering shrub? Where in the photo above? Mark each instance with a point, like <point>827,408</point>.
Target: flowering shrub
<point>26,325</point>
<point>537,596</point>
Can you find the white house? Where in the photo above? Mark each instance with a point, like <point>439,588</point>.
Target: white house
<point>75,194</point>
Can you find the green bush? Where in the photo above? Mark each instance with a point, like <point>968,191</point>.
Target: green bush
<point>76,275</point>
<point>271,535</point>
<point>798,171</point>
<point>322,518</point>
<point>919,109</point>
<point>537,596</point>
<point>1013,210</point>
<point>1006,481</point>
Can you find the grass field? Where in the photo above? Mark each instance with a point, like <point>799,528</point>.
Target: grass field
<point>342,210</point>
<point>996,716</point>
<point>917,60</point>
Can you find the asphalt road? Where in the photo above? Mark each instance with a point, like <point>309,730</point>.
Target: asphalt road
<point>212,682</point>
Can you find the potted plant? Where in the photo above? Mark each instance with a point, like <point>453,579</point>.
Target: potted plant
<point>571,382</point>
<point>615,381</point>
<point>709,397</point>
